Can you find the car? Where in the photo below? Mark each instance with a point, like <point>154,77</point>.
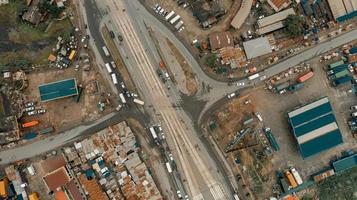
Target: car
<point>118,107</point>
<point>354,107</point>
<point>163,136</point>
<point>83,39</point>
<point>261,17</point>
<point>122,85</point>
<point>171,157</point>
<point>231,95</point>
<point>134,95</point>
<point>240,84</point>
<point>179,195</point>
<point>186,197</point>
<point>354,114</point>
<point>181,29</point>
<point>259,116</point>
<point>29,104</point>
<point>41,111</point>
<point>120,38</point>
<point>158,9</point>
<point>185,5</point>
<point>76,68</point>
<point>27,109</point>
<point>350,68</point>
<point>34,112</point>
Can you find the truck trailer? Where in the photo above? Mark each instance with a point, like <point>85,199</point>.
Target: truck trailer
<point>337,69</point>
<point>114,78</point>
<point>339,74</point>
<point>296,175</point>
<point>175,19</point>
<point>106,51</point>
<point>291,179</point>
<point>254,76</point>
<point>341,80</point>
<point>305,77</point>
<point>168,16</point>
<point>138,101</point>
<point>178,25</point>
<point>153,133</point>
<point>109,69</point>
<point>274,144</point>
<point>122,98</point>
<point>335,64</point>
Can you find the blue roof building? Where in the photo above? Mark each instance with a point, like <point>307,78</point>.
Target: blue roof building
<point>314,127</point>
<point>57,90</point>
<point>345,163</point>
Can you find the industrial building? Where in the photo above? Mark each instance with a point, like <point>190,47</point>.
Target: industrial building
<point>221,39</point>
<point>242,14</point>
<point>278,5</point>
<point>257,47</point>
<point>314,127</point>
<point>343,10</point>
<point>58,90</point>
<point>273,22</point>
<point>345,163</point>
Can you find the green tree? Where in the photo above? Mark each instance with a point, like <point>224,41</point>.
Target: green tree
<point>294,25</point>
<point>211,61</point>
<point>47,6</point>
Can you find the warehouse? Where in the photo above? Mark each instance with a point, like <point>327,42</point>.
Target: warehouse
<point>57,90</point>
<point>257,47</point>
<point>273,22</point>
<point>343,9</point>
<point>315,128</point>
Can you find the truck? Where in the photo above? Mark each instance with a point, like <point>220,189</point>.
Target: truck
<point>254,76</point>
<point>352,122</point>
<point>109,69</point>
<point>30,124</point>
<point>341,80</point>
<point>319,177</point>
<point>295,87</point>
<point>153,133</point>
<point>71,55</point>
<point>281,86</point>
<point>174,20</point>
<point>296,175</point>
<point>168,16</point>
<point>106,51</point>
<point>236,197</point>
<point>335,64</point>
<point>337,69</point>
<point>168,167</point>
<point>274,144</point>
<point>178,25</point>
<point>114,78</point>
<point>291,179</point>
<point>122,98</point>
<point>339,74</point>
<point>138,101</point>
<point>305,77</point>
<point>113,64</point>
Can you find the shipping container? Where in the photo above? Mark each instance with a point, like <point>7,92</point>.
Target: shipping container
<point>352,58</point>
<point>337,69</point>
<point>168,167</point>
<point>72,55</point>
<point>106,51</point>
<point>339,74</point>
<point>138,101</point>
<point>341,80</point>
<point>168,16</point>
<point>291,179</point>
<point>252,77</point>
<point>30,136</point>
<point>30,124</point>
<point>282,86</point>
<point>114,78</point>
<point>274,144</point>
<point>122,98</point>
<point>296,175</point>
<point>296,86</point>
<point>153,133</point>
<point>335,64</point>
<point>323,175</point>
<point>109,69</point>
<point>33,196</point>
<point>305,77</point>
<point>353,50</point>
<point>175,19</point>
<point>284,184</point>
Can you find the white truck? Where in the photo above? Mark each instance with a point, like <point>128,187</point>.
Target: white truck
<point>254,76</point>
<point>106,51</point>
<point>296,175</point>
<point>122,98</point>
<point>174,20</point>
<point>138,101</point>
<point>153,133</point>
<point>109,69</point>
<point>178,25</point>
<point>168,166</point>
<point>114,78</point>
<point>168,16</point>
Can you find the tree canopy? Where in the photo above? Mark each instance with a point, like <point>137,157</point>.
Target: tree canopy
<point>294,25</point>
<point>47,6</point>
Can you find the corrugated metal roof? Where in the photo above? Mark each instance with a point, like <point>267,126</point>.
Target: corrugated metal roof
<point>242,14</point>
<point>275,18</point>
<point>313,124</point>
<point>345,163</point>
<point>337,8</point>
<point>257,47</point>
<point>270,28</point>
<point>317,132</point>
<point>307,107</point>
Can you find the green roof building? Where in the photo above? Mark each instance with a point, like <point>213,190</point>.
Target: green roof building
<point>58,90</point>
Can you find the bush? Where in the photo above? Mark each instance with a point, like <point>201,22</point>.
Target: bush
<point>294,25</point>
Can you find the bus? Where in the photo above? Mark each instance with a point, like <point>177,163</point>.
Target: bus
<point>168,166</point>
<point>153,133</point>
<point>106,51</point>
<point>173,20</point>
<point>122,98</point>
<point>109,69</point>
<point>114,78</point>
<point>168,16</point>
<point>138,101</point>
<point>252,77</point>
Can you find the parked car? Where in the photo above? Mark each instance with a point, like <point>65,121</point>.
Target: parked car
<point>34,112</point>
<point>179,195</point>
<point>122,85</point>
<point>29,104</point>
<point>171,157</point>
<point>354,107</point>
<point>27,109</point>
<point>354,114</point>
<point>41,111</point>
<point>231,95</point>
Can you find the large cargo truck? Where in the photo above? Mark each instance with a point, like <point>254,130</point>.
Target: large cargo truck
<point>153,133</point>
<point>168,167</point>
<point>168,16</point>
<point>291,179</point>
<point>178,25</point>
<point>337,69</point>
<point>254,76</point>
<point>341,80</point>
<point>323,175</point>
<point>114,78</point>
<point>175,19</point>
<point>138,101</point>
<point>106,51</point>
<point>296,175</point>
<point>305,77</point>
<point>122,98</point>
<point>30,124</point>
<point>282,86</point>
<point>339,74</point>
<point>109,69</point>
<point>274,144</point>
<point>295,87</point>
<point>335,64</point>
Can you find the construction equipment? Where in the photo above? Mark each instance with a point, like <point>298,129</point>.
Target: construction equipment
<point>241,148</point>
<point>237,138</point>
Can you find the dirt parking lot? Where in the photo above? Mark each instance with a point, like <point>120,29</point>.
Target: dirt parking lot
<point>274,109</point>
<point>65,113</point>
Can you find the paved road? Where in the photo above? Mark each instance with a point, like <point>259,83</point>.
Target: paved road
<point>50,143</point>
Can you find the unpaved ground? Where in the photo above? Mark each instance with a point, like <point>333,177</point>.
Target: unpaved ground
<point>65,113</point>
